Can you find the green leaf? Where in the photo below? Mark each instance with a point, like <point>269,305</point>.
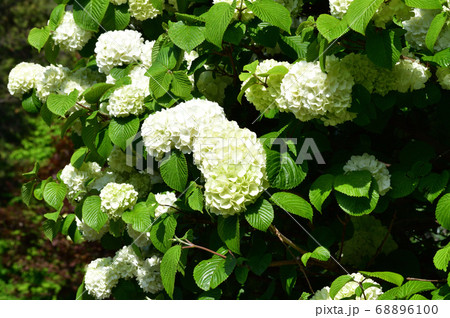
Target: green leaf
<point>27,192</point>
<point>443,211</point>
<point>78,157</point>
<point>210,273</point>
<point>74,116</point>
<point>435,28</point>
<point>384,47</point>
<point>93,94</point>
<point>51,51</point>
<point>92,213</point>
<point>88,14</point>
<point>217,20</point>
<point>441,58</point>
<point>354,183</point>
<point>162,232</point>
<point>56,16</point>
<point>51,228</point>
<point>260,214</point>
<point>174,171</point>
<point>271,12</point>
<point>414,287</point>
<point>247,85</point>
<point>320,190</point>
<point>60,104</point>
<point>54,194</point>
<point>338,283</point>
<point>195,199</point>
<point>186,37</point>
<point>442,258</point>
<point>140,217</point>
<point>235,33</point>
<point>160,76</point>
<point>228,229</point>
<point>282,171</point>
<point>295,43</point>
<point>68,220</point>
<point>38,37</point>
<point>168,268</point>
<point>31,102</point>
<point>122,130</point>
<point>181,85</point>
<point>293,204</point>
<point>424,4</point>
<point>389,277</point>
<point>360,12</point>
<point>213,294</point>
<point>33,172</point>
<point>241,274</point>
<point>321,254</point>
<point>402,184</point>
<point>358,206</point>
<point>330,27</point>
<point>116,17</point>
<point>433,185</point>
<point>46,114</point>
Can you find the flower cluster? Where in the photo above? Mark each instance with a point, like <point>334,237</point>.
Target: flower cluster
<point>117,198</point>
<point>349,290</point>
<point>443,75</point>
<point>50,80</point>
<point>140,239</point>
<point>310,93</point>
<point>142,9</point>
<point>376,168</point>
<point>410,75</point>
<point>23,78</point>
<point>166,203</point>
<point>76,179</point>
<point>103,274</point>
<point>89,234</point>
<point>367,237</point>
<point>69,36</point>
<point>241,12</point>
<point>213,86</point>
<point>417,29</point>
<point>126,100</point>
<point>230,158</point>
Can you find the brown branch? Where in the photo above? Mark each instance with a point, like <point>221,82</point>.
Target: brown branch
<point>284,239</point>
<point>192,245</point>
<point>427,280</point>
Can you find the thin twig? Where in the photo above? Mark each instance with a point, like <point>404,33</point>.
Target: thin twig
<point>189,244</point>
<point>427,280</point>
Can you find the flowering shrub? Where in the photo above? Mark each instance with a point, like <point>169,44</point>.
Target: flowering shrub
<point>235,149</point>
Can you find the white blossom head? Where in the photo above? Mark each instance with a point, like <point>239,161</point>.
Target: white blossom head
<point>23,78</point>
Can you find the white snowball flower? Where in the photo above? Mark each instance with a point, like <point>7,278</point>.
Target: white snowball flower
<point>117,161</point>
<point>263,96</point>
<point>106,177</point>
<point>349,289</point>
<point>139,239</point>
<point>148,275</point>
<point>116,48</point>
<point>166,202</point>
<point>125,101</point>
<point>69,36</point>
<point>241,12</point>
<point>376,168</point>
<point>190,57</point>
<point>417,29</point>
<point>410,75</point>
<point>89,234</point>
<point>142,9</point>
<point>116,198</point>
<point>50,80</point>
<point>23,78</point>
<point>443,75</point>
<point>140,80</point>
<point>100,278</point>
<point>339,7</point>
<point>141,181</point>
<point>322,294</point>
<point>76,179</point>
<point>126,262</point>
<point>146,53</point>
<point>309,93</point>
<point>212,86</point>
<point>390,9</point>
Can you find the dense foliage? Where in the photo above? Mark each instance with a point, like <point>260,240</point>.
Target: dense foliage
<point>249,149</point>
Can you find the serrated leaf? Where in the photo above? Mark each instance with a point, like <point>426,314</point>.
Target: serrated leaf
<point>210,273</point>
<point>435,29</point>
<point>320,190</point>
<point>54,194</point>
<point>51,228</point>
<point>330,27</point>
<point>168,268</point>
<point>68,220</point>
<point>122,130</point>
<point>358,206</point>
<point>433,185</point>
<point>402,184</point>
<point>181,85</point>
<point>217,20</point>
<point>185,36</point>
<point>60,104</point>
<point>163,231</point>
<point>92,213</point>
<point>228,229</point>
<point>338,283</point>
<point>174,171</point>
<point>88,14</point>
<point>360,12</point>
<point>443,211</point>
<point>116,17</point>
<point>321,253</point>
<point>56,16</point>
<point>293,204</point>
<point>354,183</point>
<point>282,171</point>
<point>140,216</point>
<point>442,258</point>
<point>441,58</point>
<point>78,157</point>
<point>413,287</point>
<point>260,214</point>
<point>38,37</point>
<point>271,12</point>
<point>33,172</point>
<point>389,277</point>
<point>384,47</point>
<point>51,51</point>
<point>424,4</point>
<point>195,200</point>
<point>296,44</point>
<point>31,102</point>
<point>27,192</point>
<point>93,94</point>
